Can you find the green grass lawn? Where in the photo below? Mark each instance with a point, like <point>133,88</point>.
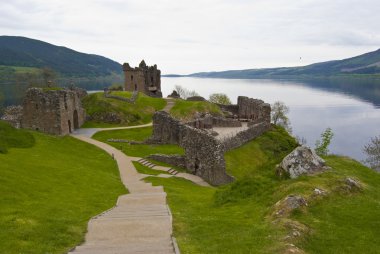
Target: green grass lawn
<point>141,112</point>
<point>49,192</point>
<point>138,134</point>
<point>237,218</point>
<point>185,110</point>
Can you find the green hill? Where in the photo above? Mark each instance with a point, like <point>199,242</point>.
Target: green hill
<point>368,63</point>
<point>26,52</point>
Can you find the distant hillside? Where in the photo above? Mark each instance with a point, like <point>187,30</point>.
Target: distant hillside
<point>25,52</point>
<point>368,63</point>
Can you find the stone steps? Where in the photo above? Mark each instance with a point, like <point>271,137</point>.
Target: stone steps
<point>151,165</point>
<point>164,246</point>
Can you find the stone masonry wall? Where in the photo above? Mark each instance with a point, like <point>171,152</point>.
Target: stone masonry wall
<point>13,115</point>
<point>209,121</point>
<point>204,156</point>
<point>56,112</point>
<point>145,79</point>
<point>166,129</point>
<point>245,136</point>
<point>175,160</point>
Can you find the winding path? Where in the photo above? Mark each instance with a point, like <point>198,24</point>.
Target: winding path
<point>141,221</point>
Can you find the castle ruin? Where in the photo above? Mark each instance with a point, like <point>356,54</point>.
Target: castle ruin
<point>207,138</point>
<point>145,79</point>
<point>57,112</point>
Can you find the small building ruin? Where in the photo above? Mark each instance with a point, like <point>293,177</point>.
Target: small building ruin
<point>57,112</point>
<point>204,142</point>
<point>145,79</point>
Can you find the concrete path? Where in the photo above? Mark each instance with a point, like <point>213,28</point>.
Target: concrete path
<point>140,222</point>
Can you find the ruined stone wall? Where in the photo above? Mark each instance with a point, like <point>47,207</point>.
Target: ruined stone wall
<point>56,112</point>
<point>145,79</point>
<point>233,109</point>
<point>253,109</point>
<point>204,156</point>
<point>209,121</point>
<point>175,160</point>
<point>250,109</point>
<point>166,129</point>
<point>13,115</point>
<point>245,136</point>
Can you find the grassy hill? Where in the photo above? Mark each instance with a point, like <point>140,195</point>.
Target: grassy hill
<point>26,52</point>
<point>49,189</point>
<point>368,64</point>
<point>109,112</point>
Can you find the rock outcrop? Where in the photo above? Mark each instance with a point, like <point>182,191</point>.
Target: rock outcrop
<point>301,161</point>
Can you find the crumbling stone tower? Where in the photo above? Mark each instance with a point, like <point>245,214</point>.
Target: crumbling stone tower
<point>145,79</point>
<point>57,112</point>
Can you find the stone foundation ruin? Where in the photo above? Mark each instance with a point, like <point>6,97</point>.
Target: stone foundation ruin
<point>204,151</point>
<point>57,112</point>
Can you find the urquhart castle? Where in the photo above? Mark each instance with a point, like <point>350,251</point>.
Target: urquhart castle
<point>205,138</point>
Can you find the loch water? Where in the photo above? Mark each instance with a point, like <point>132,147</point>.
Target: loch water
<point>351,107</point>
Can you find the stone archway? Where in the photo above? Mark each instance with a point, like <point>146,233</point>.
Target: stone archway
<point>75,118</point>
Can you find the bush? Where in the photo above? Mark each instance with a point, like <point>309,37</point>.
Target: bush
<point>322,146</point>
<point>220,98</point>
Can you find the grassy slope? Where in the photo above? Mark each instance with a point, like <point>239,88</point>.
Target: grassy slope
<point>139,134</point>
<point>131,114</point>
<point>50,191</point>
<point>237,218</point>
<point>11,137</point>
<point>185,110</point>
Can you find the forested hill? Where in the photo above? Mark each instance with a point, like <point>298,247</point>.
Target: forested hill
<point>368,63</point>
<point>26,52</point>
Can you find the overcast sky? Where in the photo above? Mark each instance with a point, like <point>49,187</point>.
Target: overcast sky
<point>185,36</point>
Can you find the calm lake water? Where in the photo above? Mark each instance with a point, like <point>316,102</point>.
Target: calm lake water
<point>350,108</point>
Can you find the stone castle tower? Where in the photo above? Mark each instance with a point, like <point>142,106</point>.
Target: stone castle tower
<point>57,112</point>
<point>145,79</point>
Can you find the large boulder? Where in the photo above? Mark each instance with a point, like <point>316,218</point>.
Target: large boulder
<point>301,161</point>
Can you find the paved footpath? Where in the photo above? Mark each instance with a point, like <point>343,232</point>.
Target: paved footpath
<point>140,222</point>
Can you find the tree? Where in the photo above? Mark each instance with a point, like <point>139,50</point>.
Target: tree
<point>322,146</point>
<point>49,76</point>
<point>279,116</point>
<point>220,98</point>
<point>185,93</point>
<point>372,150</point>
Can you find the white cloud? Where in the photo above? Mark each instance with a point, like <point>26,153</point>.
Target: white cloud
<point>186,36</point>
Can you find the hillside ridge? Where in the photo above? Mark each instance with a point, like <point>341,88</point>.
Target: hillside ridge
<point>27,52</point>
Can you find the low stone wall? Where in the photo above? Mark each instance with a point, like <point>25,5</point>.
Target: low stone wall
<point>225,122</point>
<point>120,98</point>
<point>211,121</point>
<point>175,160</point>
<point>245,136</point>
<point>13,115</point>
